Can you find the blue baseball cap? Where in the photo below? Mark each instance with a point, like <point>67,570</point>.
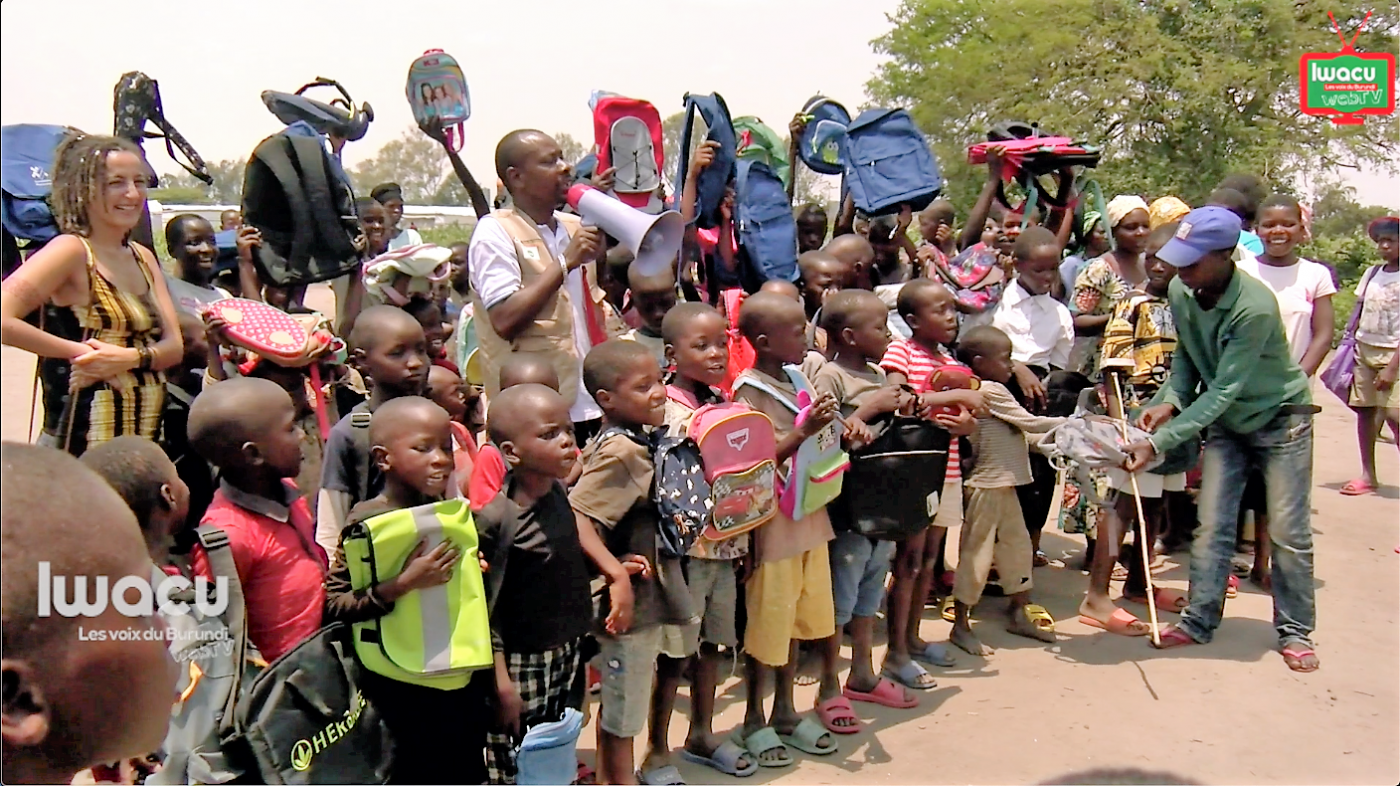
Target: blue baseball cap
<point>1203,230</point>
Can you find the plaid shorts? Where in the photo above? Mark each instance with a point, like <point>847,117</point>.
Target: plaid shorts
<point>544,680</point>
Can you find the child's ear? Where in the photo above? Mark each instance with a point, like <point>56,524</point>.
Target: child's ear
<point>604,399</point>
<point>252,454</point>
<point>380,456</point>
<point>847,337</point>
<point>507,449</point>
<point>26,717</point>
<point>167,496</point>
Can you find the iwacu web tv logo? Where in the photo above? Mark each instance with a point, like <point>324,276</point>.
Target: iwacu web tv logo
<point>132,596</point>
<point>1347,85</point>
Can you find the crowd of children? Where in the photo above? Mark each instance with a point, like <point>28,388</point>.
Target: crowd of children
<point>557,461</point>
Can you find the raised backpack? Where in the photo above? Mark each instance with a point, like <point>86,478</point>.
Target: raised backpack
<point>975,276</point>
<point>764,224</point>
<point>891,490</point>
<point>679,488</point>
<point>1028,156</point>
<point>824,135</point>
<point>438,636</point>
<point>26,167</point>
<point>712,181</point>
<point>627,132</point>
<point>437,89</point>
<point>305,719</point>
<point>136,101</point>
<point>294,195</point>
<point>217,666</point>
<point>270,332</point>
<point>339,117</point>
<point>888,163</point>
<point>815,475</point>
<point>738,451</point>
<point>759,142</point>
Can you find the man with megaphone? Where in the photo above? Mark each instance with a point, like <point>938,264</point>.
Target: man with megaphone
<point>527,266</point>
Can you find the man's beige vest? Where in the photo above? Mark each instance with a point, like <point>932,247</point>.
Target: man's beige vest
<point>551,333</point>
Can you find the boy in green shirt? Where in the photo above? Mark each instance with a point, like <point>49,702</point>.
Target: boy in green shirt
<point>1234,379</point>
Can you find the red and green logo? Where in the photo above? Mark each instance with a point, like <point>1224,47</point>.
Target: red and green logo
<point>1347,85</point>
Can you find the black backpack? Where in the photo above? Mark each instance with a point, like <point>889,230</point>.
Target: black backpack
<point>305,211</point>
<point>891,490</point>
<point>305,719</point>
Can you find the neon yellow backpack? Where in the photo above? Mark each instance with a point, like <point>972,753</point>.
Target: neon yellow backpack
<point>435,637</point>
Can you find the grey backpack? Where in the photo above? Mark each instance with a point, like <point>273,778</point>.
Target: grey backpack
<point>217,664</point>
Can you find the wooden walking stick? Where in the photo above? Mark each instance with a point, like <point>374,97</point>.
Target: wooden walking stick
<point>1113,369</point>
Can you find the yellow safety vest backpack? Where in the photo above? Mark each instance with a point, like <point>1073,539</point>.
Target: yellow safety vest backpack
<point>435,637</point>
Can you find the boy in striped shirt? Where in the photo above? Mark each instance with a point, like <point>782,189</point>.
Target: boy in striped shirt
<point>929,310</point>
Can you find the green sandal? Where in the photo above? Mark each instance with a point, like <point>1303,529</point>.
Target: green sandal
<point>806,737</point>
<point>765,740</point>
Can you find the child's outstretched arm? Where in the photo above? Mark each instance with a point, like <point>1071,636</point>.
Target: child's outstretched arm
<point>1004,407</point>
<point>977,219</point>
<point>480,204</point>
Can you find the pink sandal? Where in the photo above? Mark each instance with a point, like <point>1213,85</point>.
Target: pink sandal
<point>1359,487</point>
<point>1170,637</point>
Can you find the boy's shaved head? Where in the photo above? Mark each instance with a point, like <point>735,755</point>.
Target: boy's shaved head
<point>136,468</point>
<point>981,341</point>
<point>608,361</point>
<point>373,321</point>
<point>781,288</point>
<point>513,410</point>
<point>765,310</point>
<point>394,415</point>
<point>840,310</point>
<point>939,208</point>
<point>658,282</point>
<point>1032,238</point>
<point>234,412</point>
<point>852,249</point>
<point>678,319</point>
<point>70,704</point>
<point>521,368</point>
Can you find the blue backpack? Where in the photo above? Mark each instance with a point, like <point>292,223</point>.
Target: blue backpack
<point>709,187</point>
<point>820,145</point>
<point>888,163</point>
<point>764,225</point>
<point>26,175</point>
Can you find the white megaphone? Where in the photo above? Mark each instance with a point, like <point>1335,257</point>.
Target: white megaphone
<point>655,240</point>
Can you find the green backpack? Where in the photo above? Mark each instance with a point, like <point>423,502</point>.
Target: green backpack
<point>761,143</point>
<point>435,637</point>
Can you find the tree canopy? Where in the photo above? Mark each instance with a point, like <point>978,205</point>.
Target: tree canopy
<point>1178,93</point>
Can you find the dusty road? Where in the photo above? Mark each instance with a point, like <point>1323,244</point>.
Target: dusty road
<point>1225,713</point>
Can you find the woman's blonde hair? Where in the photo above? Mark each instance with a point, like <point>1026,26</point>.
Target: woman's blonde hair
<point>80,167</point>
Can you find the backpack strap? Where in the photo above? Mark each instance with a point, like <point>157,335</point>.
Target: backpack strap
<point>359,431</point>
<point>276,154</point>
<point>216,549</point>
<point>753,382</point>
<point>330,229</point>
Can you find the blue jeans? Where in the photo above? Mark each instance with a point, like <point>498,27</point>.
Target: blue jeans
<point>1282,452</point>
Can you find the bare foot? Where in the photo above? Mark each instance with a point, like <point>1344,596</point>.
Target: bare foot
<point>1022,625</point>
<point>967,642</point>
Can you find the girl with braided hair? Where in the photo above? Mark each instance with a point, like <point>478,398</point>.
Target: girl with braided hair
<point>109,326</point>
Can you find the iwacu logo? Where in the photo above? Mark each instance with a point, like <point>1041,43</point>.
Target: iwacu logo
<point>1347,85</point>
<point>54,597</point>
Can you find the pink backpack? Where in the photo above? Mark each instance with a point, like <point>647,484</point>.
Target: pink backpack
<point>627,132</point>
<point>739,452</point>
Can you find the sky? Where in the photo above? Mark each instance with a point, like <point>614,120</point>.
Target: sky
<point>528,63</point>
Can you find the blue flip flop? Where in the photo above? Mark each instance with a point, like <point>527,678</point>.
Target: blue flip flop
<point>908,676</point>
<point>725,759</point>
<point>662,776</point>
<point>935,655</point>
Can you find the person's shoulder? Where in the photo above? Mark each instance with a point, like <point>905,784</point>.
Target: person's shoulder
<point>364,511</point>
<point>488,229</point>
<point>1319,275</point>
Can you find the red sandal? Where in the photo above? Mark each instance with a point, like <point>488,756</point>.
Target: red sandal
<point>1172,637</point>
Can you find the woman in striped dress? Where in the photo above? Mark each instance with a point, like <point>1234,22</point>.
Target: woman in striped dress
<point>109,326</point>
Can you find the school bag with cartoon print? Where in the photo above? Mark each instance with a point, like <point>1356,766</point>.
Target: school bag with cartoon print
<point>975,276</point>
<point>738,453</point>
<point>627,132</point>
<point>815,475</point>
<point>822,138</point>
<point>679,488</point>
<point>437,89</point>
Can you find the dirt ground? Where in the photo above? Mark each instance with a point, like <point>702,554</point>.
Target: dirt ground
<point>1226,713</point>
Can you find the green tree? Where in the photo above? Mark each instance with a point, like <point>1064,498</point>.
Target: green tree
<point>415,162</point>
<point>1178,93</point>
<point>180,194</point>
<point>573,149</point>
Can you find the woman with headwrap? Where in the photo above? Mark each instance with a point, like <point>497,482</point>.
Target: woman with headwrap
<point>1107,279</point>
<point>1166,210</point>
<point>1095,245</point>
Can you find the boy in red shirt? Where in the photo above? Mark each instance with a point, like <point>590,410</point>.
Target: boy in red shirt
<point>248,428</point>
